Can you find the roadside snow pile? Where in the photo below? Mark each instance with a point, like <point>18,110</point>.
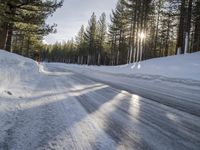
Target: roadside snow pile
<point>14,69</point>
<point>182,66</point>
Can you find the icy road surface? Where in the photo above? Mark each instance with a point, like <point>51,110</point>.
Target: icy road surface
<point>67,110</point>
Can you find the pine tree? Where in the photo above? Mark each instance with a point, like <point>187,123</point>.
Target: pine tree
<point>181,29</point>
<point>120,27</point>
<point>101,36</point>
<point>80,41</point>
<point>25,16</point>
<point>167,28</point>
<point>91,39</point>
<point>196,34</point>
<point>112,36</point>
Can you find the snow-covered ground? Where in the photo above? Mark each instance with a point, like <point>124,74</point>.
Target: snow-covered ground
<point>60,106</point>
<point>173,81</point>
<point>15,71</point>
<point>183,66</point>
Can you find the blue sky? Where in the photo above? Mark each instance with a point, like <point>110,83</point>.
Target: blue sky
<point>75,13</point>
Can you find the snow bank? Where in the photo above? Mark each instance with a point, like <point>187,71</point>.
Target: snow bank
<point>14,69</point>
<point>182,66</point>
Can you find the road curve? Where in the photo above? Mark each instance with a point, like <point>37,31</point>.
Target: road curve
<point>70,111</point>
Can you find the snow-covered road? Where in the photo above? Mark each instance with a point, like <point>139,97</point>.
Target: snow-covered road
<point>65,109</point>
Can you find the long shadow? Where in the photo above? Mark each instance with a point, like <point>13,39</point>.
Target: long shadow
<point>118,127</point>
<point>72,91</point>
<point>132,123</point>
<point>182,103</point>
<point>36,127</point>
<point>42,124</point>
<point>167,125</point>
<point>116,124</point>
<point>150,128</point>
<point>92,101</point>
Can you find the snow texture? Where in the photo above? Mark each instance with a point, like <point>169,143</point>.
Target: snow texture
<point>182,66</point>
<point>59,106</point>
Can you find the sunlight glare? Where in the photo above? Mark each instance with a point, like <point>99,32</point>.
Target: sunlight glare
<point>142,35</point>
<point>135,105</point>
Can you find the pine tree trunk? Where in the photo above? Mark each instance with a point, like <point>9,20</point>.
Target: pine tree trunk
<point>28,47</point>
<point>167,37</point>
<point>196,45</point>
<point>12,11</point>
<point>196,37</point>
<point>99,59</point>
<point>21,47</point>
<point>157,24</point>
<point>82,60</point>
<point>117,57</point>
<point>88,60</point>
<point>180,39</point>
<point>9,38</point>
<point>3,35</point>
<point>131,53</point>
<point>189,23</point>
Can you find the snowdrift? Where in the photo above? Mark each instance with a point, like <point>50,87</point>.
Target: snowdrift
<point>181,66</point>
<point>14,69</point>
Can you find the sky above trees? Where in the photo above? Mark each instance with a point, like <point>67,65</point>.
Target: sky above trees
<point>75,13</point>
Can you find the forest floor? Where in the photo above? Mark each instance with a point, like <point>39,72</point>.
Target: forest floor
<point>59,106</point>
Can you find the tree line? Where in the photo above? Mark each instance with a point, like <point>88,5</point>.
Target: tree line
<point>138,30</point>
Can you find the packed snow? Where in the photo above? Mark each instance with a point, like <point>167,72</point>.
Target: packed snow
<point>173,81</point>
<point>150,105</point>
<point>181,66</point>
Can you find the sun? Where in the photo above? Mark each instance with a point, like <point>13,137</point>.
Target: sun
<point>142,35</point>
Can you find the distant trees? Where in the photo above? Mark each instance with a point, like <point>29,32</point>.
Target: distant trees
<point>195,35</point>
<point>188,29</point>
<point>166,28</point>
<point>91,40</point>
<point>118,31</point>
<point>81,46</point>
<point>101,38</point>
<point>138,30</point>
<point>22,23</point>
